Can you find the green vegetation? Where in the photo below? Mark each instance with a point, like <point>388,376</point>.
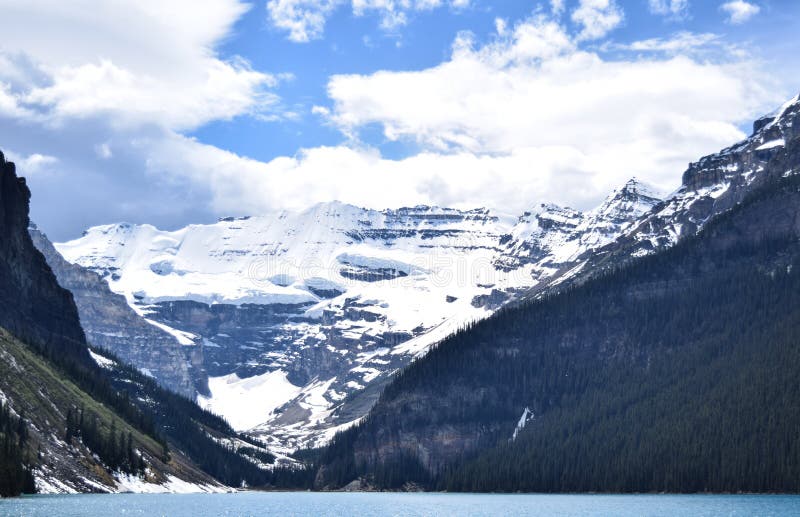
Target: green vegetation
<point>257,454</point>
<point>114,449</point>
<point>197,433</point>
<point>678,373</point>
<point>16,476</point>
<point>52,403</point>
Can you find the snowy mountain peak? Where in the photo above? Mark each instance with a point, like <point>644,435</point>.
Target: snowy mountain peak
<point>636,189</point>
<point>717,182</point>
<point>558,218</point>
<point>625,204</point>
<point>770,119</point>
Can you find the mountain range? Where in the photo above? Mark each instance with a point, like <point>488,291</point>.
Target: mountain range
<point>300,318</point>
<point>290,324</point>
<point>645,345</point>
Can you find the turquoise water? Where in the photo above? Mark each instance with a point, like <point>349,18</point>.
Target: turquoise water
<point>395,504</point>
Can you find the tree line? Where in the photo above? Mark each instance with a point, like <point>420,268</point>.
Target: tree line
<point>16,472</point>
<point>114,448</point>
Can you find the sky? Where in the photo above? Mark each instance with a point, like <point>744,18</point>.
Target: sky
<point>172,112</point>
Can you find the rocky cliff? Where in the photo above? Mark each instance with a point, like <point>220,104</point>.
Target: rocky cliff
<point>111,324</point>
<point>33,306</point>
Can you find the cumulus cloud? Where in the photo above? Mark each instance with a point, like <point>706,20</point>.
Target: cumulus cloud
<point>739,11</point>
<point>597,18</point>
<point>304,20</point>
<point>82,82</point>
<point>141,62</point>
<point>531,116</point>
<point>32,164</point>
<point>675,9</point>
<point>535,86</point>
<point>533,92</point>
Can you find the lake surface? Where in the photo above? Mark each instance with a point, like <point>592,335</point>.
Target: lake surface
<point>398,504</point>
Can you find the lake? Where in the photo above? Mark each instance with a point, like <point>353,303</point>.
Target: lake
<point>398,504</point>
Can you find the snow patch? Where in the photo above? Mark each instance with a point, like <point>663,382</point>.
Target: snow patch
<point>102,362</point>
<point>526,417</point>
<point>247,402</point>
<point>772,144</point>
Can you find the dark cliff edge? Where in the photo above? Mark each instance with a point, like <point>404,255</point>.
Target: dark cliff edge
<point>112,325</point>
<point>33,307</point>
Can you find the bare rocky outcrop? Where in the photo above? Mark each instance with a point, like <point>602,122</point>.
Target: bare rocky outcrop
<point>111,324</point>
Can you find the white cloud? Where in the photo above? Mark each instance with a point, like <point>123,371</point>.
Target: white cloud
<point>82,83</point>
<point>142,62</point>
<point>31,164</point>
<point>103,151</point>
<point>510,182</point>
<point>675,9</point>
<point>305,20</point>
<point>739,11</point>
<point>597,18</point>
<point>683,42</point>
<point>557,7</point>
<point>531,111</point>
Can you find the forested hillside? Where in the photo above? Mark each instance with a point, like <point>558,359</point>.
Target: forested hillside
<point>16,475</point>
<point>675,373</point>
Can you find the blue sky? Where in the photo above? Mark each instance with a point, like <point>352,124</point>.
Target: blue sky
<point>173,112</point>
<point>358,45</point>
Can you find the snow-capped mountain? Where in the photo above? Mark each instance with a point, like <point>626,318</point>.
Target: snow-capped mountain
<point>717,182</point>
<point>301,317</point>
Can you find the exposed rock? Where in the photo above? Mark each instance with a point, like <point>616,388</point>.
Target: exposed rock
<point>33,307</point>
<point>110,323</point>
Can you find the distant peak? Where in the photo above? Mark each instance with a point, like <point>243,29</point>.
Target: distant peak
<point>769,119</point>
<point>635,188</point>
<point>336,206</point>
<point>554,208</point>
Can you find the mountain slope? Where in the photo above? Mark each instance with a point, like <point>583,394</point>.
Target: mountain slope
<point>33,306</point>
<point>111,324</point>
<point>675,372</point>
<point>82,421</point>
<point>48,372</point>
<point>301,318</point>
<point>45,396</point>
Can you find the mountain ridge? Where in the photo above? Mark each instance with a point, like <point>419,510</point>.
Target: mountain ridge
<point>672,372</point>
<point>353,293</point>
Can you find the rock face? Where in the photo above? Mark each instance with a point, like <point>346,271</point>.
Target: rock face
<point>111,324</point>
<point>33,307</point>
<point>301,317</point>
<point>719,181</point>
<point>710,186</point>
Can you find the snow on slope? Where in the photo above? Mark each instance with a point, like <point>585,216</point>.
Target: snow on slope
<point>296,312</point>
<point>244,402</point>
